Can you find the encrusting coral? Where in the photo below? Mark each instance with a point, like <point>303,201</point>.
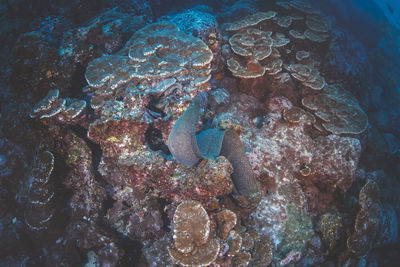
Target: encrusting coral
<point>375,224</point>
<point>39,212</point>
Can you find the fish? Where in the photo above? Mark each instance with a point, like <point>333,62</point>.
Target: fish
<point>182,139</point>
<point>188,149</point>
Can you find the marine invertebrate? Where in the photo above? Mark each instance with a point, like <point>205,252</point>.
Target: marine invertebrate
<point>296,114</point>
<point>263,66</point>
<point>308,75</point>
<point>338,109</point>
<point>195,22</point>
<point>331,227</point>
<point>196,241</point>
<point>251,20</point>
<point>375,223</point>
<point>106,32</point>
<point>226,220</point>
<point>193,244</point>
<point>160,60</point>
<point>335,161</point>
<point>65,110</point>
<point>184,146</point>
<point>39,211</point>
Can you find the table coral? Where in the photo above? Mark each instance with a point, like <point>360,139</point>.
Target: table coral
<point>338,109</point>
<point>61,110</point>
<point>257,62</point>
<point>251,20</point>
<point>158,60</point>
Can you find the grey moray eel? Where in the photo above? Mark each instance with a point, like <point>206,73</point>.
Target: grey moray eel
<point>182,139</point>
<point>188,149</point>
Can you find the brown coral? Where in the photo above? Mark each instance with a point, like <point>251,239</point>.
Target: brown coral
<point>251,20</point>
<point>193,243</point>
<point>62,109</point>
<point>191,226</point>
<point>226,220</point>
<point>298,27</point>
<point>308,75</point>
<point>296,114</point>
<point>338,109</point>
<point>375,223</point>
<point>252,43</point>
<point>158,59</point>
<point>316,36</point>
<point>253,69</point>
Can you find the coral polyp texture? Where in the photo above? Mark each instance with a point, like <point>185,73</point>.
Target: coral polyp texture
<point>267,45</point>
<point>375,223</point>
<point>192,234</point>
<point>338,110</point>
<point>158,60</point>
<point>142,133</point>
<point>70,111</point>
<point>196,241</point>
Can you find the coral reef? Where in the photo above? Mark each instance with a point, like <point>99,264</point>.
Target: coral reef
<point>188,149</point>
<point>338,110</point>
<point>201,240</point>
<point>267,44</point>
<point>197,133</point>
<point>38,66</point>
<point>193,244</point>
<point>135,215</point>
<point>105,33</point>
<point>39,212</point>
<point>375,223</point>
<point>52,107</point>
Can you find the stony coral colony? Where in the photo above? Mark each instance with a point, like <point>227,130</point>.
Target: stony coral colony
<point>265,81</point>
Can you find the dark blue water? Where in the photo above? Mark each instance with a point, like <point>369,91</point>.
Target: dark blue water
<point>306,171</point>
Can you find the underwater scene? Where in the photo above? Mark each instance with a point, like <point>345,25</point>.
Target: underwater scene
<point>200,133</point>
